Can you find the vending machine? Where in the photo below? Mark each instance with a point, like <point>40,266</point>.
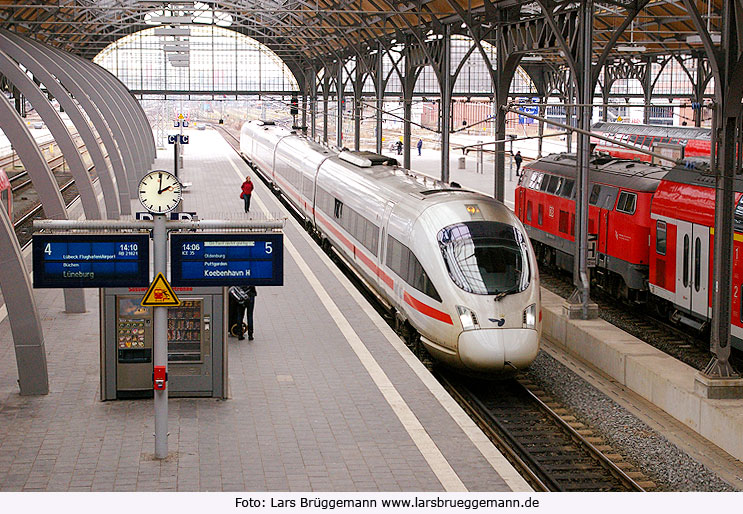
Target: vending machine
<point>197,349</point>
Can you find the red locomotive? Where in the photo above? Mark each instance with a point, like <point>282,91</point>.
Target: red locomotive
<point>650,231</point>
<point>694,140</point>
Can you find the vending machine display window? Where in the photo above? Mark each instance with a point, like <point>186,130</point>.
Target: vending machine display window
<point>185,332</point>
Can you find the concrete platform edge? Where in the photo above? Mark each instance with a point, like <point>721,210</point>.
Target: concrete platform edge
<point>654,375</point>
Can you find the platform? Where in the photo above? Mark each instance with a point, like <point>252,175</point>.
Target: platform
<point>326,398</point>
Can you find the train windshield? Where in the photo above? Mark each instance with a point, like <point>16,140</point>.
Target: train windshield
<point>486,257</point>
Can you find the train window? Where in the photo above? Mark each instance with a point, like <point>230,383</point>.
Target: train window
<point>566,191</point>
<point>528,210</point>
<point>553,184</point>
<point>739,215</point>
<point>595,194</point>
<point>545,182</point>
<point>540,214</point>
<point>307,186</point>
<point>697,263</point>
<point>538,181</point>
<point>338,209</point>
<point>660,237</point>
<point>407,266</point>
<point>533,180</point>
<point>4,199</point>
<point>686,261</point>
<point>564,221</point>
<point>486,257</point>
<point>627,202</point>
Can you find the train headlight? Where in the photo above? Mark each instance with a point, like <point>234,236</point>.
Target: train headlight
<point>468,318</point>
<point>530,316</point>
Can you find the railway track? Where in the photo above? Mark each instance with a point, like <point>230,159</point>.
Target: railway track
<point>550,450</point>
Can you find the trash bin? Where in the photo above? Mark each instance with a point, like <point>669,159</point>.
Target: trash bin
<point>462,164</point>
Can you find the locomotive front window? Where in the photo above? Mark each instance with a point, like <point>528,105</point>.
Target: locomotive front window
<point>486,257</point>
<point>660,237</point>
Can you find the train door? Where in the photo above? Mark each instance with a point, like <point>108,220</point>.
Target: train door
<point>692,265</point>
<point>700,270</point>
<point>383,239</point>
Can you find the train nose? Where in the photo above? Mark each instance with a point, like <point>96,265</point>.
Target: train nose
<point>488,349</point>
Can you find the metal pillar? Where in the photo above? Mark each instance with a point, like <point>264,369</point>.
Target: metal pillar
<point>160,338</point>
<point>25,323</point>
<point>585,83</point>
<point>56,126</point>
<point>407,102</point>
<point>105,174</point>
<point>304,114</point>
<point>339,88</point>
<point>379,86</point>
<point>46,186</point>
<point>569,112</point>
<point>648,91</point>
<point>357,111</point>
<point>699,92</point>
<point>542,112</point>
<point>325,91</point>
<point>313,114</point>
<point>446,90</point>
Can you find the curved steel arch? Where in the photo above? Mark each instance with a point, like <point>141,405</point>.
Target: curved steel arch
<point>130,112</point>
<point>105,174</point>
<point>56,126</point>
<point>25,323</point>
<point>96,117</point>
<point>46,186</point>
<point>110,108</point>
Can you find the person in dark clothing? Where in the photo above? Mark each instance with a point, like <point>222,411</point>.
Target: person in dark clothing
<point>518,159</point>
<point>245,296</point>
<point>399,148</point>
<point>420,146</point>
<point>247,190</point>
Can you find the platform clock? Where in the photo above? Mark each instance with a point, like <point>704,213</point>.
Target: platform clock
<point>160,191</point>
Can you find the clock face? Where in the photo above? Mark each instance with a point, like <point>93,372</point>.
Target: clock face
<point>160,192</point>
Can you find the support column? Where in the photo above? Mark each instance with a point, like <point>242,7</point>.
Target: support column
<point>446,90</point>
<point>41,176</point>
<point>339,87</point>
<point>304,114</point>
<point>542,112</point>
<point>25,323</point>
<point>699,92</point>
<point>313,113</point>
<point>407,103</point>
<point>569,111</point>
<point>50,116</point>
<point>585,99</point>
<point>647,90</point>
<point>379,86</point>
<point>326,90</point>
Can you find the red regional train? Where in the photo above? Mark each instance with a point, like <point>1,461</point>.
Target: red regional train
<point>695,140</point>
<point>650,231</point>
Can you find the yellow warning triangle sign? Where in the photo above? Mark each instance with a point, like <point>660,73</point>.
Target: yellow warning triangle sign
<point>160,294</point>
<point>180,116</point>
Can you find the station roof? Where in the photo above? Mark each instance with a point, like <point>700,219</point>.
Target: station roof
<point>310,29</point>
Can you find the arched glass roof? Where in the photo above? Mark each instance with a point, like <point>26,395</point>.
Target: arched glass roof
<point>212,60</point>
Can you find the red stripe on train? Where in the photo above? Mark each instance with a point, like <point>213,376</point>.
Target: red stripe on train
<point>427,309</point>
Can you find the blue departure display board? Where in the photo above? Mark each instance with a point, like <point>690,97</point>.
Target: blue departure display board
<point>91,260</point>
<point>226,259</point>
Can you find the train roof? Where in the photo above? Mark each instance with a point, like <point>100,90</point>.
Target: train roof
<point>653,130</point>
<point>699,175</point>
<point>623,173</point>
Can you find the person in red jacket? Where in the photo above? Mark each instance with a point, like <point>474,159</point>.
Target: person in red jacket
<point>247,190</point>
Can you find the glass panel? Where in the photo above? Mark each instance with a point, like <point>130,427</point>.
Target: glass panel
<point>184,332</point>
<point>595,192</point>
<point>686,261</point>
<point>485,257</point>
<point>660,237</point>
<point>697,263</point>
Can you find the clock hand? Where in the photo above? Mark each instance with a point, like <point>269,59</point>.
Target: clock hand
<point>160,188</point>
<point>167,188</point>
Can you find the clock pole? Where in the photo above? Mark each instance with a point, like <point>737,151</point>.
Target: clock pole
<point>160,339</point>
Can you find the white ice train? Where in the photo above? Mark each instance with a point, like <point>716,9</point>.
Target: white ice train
<point>455,265</point>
